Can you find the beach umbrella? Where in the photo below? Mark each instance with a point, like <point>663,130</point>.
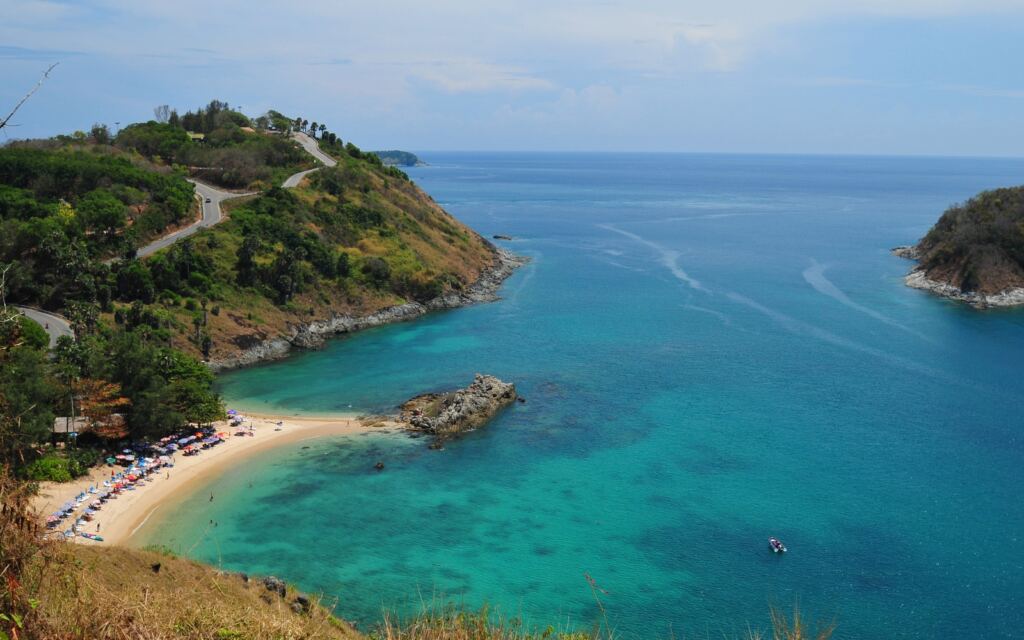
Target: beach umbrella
<point>111,460</point>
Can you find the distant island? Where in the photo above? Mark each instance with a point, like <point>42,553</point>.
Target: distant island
<point>395,158</point>
<point>975,252</point>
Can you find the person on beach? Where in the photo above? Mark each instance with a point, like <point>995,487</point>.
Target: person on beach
<point>211,497</point>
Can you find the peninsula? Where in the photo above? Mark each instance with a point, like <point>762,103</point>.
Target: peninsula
<point>975,252</point>
<point>396,158</point>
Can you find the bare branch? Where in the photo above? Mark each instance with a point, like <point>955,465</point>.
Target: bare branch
<point>3,123</point>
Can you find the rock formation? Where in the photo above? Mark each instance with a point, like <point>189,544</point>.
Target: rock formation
<point>449,414</point>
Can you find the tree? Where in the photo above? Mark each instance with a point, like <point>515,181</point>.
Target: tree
<point>98,400</point>
<point>305,123</point>
<point>344,265</point>
<point>102,212</point>
<point>377,270</point>
<point>245,265</point>
<point>323,128</point>
<point>100,134</point>
<point>162,113</point>
<point>313,128</point>
<point>27,389</point>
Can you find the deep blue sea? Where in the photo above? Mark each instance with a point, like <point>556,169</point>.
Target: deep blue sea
<point>714,349</point>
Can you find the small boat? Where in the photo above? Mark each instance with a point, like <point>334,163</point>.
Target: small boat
<point>91,536</point>
<point>776,545</point>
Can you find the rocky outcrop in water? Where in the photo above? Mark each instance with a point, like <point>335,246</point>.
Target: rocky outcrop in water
<point>449,414</point>
<point>314,334</point>
<point>908,252</point>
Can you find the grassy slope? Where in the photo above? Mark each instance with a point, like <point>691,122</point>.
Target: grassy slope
<point>418,239</point>
<point>979,245</point>
<point>113,592</point>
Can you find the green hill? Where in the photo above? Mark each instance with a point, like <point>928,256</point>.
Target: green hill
<point>396,158</point>
<point>975,252</point>
<point>352,241</point>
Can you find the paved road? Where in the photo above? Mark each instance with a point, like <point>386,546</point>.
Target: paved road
<point>211,198</point>
<point>294,180</point>
<point>310,145</point>
<point>56,326</point>
<point>211,210</point>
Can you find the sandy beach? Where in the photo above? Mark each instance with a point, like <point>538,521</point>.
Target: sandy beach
<point>121,518</point>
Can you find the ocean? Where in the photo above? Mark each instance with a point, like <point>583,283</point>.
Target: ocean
<point>714,349</point>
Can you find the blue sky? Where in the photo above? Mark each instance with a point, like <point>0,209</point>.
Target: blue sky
<point>936,77</point>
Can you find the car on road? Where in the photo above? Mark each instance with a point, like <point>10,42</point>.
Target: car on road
<point>208,200</point>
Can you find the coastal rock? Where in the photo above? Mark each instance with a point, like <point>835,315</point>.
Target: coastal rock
<point>275,585</point>
<point>301,604</point>
<point>943,284</point>
<point>449,414</point>
<point>314,334</point>
<point>908,252</point>
<point>918,279</point>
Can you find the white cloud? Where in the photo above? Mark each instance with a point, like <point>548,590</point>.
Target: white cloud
<point>467,75</point>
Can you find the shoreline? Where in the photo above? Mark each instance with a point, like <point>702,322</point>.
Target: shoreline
<point>918,279</point>
<point>313,335</point>
<point>120,519</point>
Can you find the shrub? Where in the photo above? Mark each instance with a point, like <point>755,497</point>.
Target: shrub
<point>50,467</point>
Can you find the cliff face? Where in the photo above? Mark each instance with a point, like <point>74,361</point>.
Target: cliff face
<point>449,414</point>
<point>975,252</point>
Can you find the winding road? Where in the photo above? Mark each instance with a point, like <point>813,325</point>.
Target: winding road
<point>212,197</point>
<point>54,325</point>
<point>312,148</point>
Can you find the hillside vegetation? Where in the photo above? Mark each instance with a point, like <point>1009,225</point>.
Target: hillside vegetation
<point>978,246</point>
<point>350,240</point>
<point>353,239</point>
<point>226,147</point>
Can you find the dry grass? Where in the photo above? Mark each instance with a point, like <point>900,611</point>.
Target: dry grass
<point>451,623</point>
<point>797,629</point>
<point>125,593</point>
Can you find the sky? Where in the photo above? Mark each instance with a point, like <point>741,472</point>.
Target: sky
<point>918,77</point>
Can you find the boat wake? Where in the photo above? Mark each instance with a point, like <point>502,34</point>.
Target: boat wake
<point>669,258</point>
<point>815,276</point>
<point>799,327</point>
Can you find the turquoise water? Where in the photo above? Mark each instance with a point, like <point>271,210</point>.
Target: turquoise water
<point>714,349</point>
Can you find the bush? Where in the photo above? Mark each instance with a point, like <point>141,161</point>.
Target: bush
<point>50,467</point>
<point>33,334</point>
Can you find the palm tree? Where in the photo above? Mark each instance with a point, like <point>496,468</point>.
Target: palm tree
<point>323,128</point>
<point>305,123</point>
<point>312,129</point>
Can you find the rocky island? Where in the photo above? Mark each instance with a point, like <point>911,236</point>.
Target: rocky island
<point>449,414</point>
<point>975,252</point>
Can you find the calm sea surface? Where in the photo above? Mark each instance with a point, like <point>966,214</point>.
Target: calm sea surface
<point>715,349</point>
